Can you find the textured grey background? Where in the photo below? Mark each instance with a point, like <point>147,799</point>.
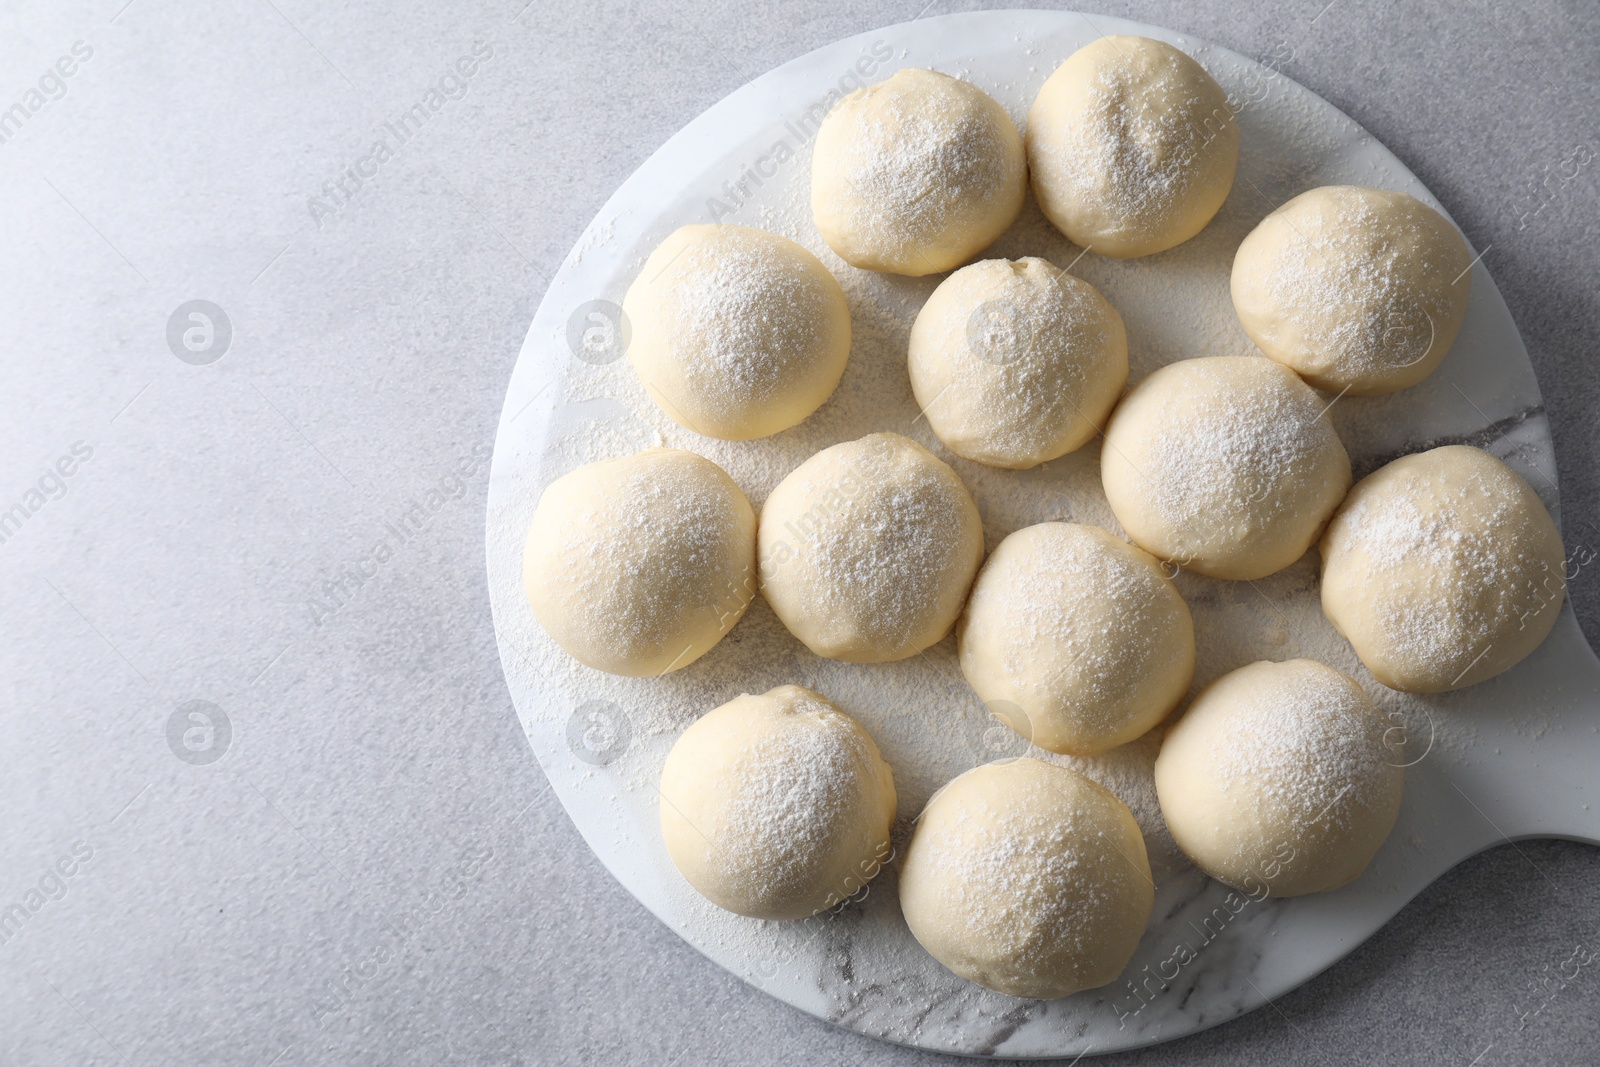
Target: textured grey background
<point>373,871</point>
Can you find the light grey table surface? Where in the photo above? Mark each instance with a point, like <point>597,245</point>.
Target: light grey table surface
<point>373,870</point>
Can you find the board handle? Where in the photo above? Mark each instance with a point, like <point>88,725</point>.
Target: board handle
<point>1533,767</point>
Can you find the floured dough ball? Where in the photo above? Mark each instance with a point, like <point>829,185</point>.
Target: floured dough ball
<point>1075,639</point>
<point>1442,569</point>
<point>1028,879</point>
<point>1132,147</point>
<point>637,566</point>
<point>1278,779</point>
<point>868,549</point>
<point>1358,290</point>
<point>777,806</point>
<point>1016,362</point>
<point>917,174</point>
<point>736,333</point>
<point>1226,465</point>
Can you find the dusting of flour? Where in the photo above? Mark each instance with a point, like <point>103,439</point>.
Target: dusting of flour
<point>927,722</point>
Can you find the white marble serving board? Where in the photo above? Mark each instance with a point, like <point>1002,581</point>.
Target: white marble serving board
<point>1506,759</point>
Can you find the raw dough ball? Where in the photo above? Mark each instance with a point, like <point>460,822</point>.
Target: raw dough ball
<point>1028,879</point>
<point>1227,465</point>
<point>1356,289</point>
<point>1132,147</point>
<point>777,806</point>
<point>736,333</point>
<point>637,566</point>
<point>1016,362</point>
<point>1277,778</point>
<point>916,174</point>
<point>1078,635</point>
<point>1442,569</point>
<point>868,549</point>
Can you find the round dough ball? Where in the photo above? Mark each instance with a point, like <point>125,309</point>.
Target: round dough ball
<point>1358,290</point>
<point>1017,362</point>
<point>1028,879</point>
<point>1079,636</point>
<point>1132,147</point>
<point>868,549</point>
<point>917,174</point>
<point>777,806</point>
<point>637,566</point>
<point>736,333</point>
<point>1226,465</point>
<point>1277,779</point>
<point>1442,569</point>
